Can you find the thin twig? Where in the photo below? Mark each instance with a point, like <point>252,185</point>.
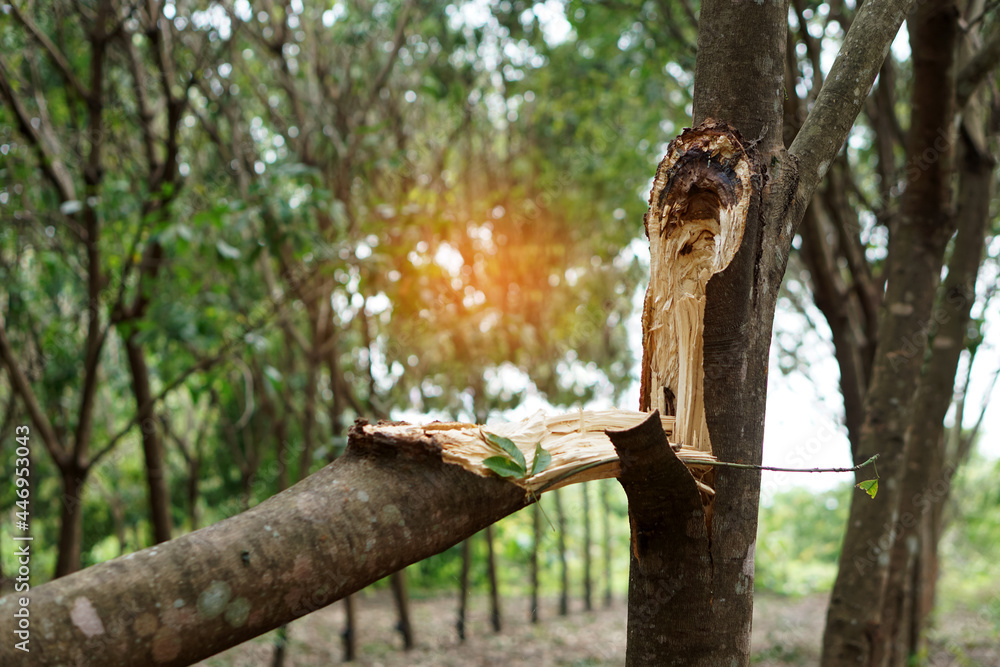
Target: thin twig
<point>750,466</point>
<point>707,462</point>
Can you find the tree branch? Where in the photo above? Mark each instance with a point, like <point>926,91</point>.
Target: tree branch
<point>57,56</point>
<point>844,91</point>
<point>387,502</point>
<point>984,62</point>
<point>750,466</point>
<point>50,165</point>
<point>22,386</point>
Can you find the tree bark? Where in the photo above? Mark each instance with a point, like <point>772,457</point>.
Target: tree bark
<point>402,598</point>
<point>926,478</point>
<point>561,549</point>
<point>463,591</point>
<point>386,503</point>
<point>70,520</point>
<point>705,193</point>
<point>397,485</point>
<point>349,634</point>
<point>854,633</point>
<point>708,186</point>
<point>152,444</point>
<point>491,571</point>
<point>588,597</point>
<point>536,538</point>
<point>606,520</point>
<point>669,531</point>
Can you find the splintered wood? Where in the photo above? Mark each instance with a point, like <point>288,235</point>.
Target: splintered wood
<point>579,447</point>
<point>697,213</point>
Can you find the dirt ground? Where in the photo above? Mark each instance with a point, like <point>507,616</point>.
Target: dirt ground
<point>786,634</point>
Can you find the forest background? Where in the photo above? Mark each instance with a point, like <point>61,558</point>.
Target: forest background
<point>229,232</point>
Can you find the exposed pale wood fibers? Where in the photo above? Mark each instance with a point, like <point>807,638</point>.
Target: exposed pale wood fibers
<point>576,441</point>
<point>697,213</point>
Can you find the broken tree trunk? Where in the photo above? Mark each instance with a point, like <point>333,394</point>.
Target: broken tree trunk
<point>400,493</point>
<point>689,594</point>
<point>697,214</point>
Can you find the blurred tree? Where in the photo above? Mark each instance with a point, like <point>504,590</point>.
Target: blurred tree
<point>97,95</point>
<point>897,329</point>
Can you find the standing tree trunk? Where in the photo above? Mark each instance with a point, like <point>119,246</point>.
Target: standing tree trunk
<point>70,520</point>
<point>402,598</point>
<point>349,633</point>
<point>463,591</point>
<point>561,548</point>
<point>491,568</point>
<point>588,599</point>
<point>723,209</point>
<point>927,475</point>
<point>152,443</point>
<point>854,632</point>
<point>536,538</point>
<point>606,520</point>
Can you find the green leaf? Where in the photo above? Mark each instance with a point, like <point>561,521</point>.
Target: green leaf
<point>542,459</point>
<point>509,448</point>
<point>503,466</point>
<point>869,486</point>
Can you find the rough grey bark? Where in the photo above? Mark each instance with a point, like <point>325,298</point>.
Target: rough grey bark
<point>738,85</point>
<point>669,531</point>
<point>854,633</point>
<point>926,476</point>
<point>383,505</point>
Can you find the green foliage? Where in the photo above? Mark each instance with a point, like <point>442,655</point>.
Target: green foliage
<point>968,544</point>
<point>798,540</point>
<point>870,486</point>
<point>511,463</point>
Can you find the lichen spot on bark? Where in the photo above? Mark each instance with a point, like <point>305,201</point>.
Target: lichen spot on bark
<point>390,515</point>
<point>85,617</point>
<point>237,612</point>
<point>750,559</point>
<point>213,600</point>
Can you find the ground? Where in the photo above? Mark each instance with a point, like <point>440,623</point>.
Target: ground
<point>786,633</point>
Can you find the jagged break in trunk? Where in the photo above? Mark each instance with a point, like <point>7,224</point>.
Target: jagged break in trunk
<point>701,197</point>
